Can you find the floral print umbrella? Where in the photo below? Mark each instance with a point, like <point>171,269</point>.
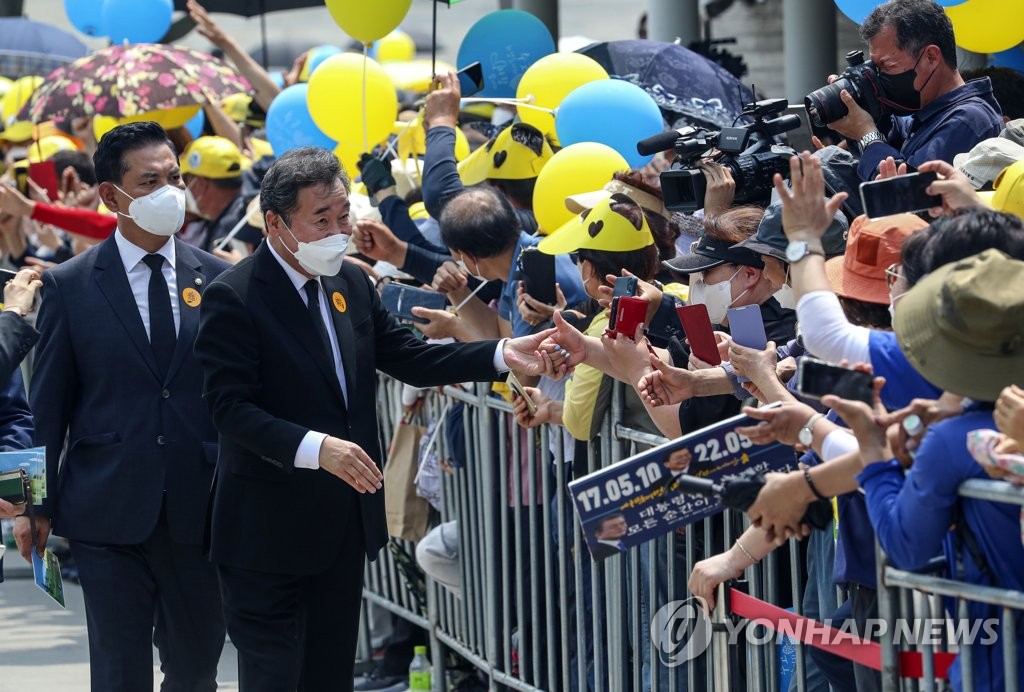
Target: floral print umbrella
<point>122,81</point>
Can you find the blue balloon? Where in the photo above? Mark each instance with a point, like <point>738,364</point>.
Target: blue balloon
<point>136,21</point>
<point>611,112</point>
<point>196,124</point>
<point>318,55</point>
<point>85,15</point>
<point>505,43</point>
<point>857,10</point>
<point>1012,58</point>
<point>289,124</point>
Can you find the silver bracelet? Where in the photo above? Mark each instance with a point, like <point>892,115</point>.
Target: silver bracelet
<point>746,552</point>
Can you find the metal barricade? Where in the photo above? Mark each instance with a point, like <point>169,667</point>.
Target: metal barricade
<point>535,612</point>
<point>910,597</point>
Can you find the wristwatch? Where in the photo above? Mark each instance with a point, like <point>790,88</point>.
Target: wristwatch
<point>798,249</point>
<point>806,434</point>
<point>870,138</point>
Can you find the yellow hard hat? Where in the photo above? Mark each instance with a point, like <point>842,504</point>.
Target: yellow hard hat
<point>13,101</point>
<point>503,158</point>
<point>1009,186</point>
<point>212,157</point>
<point>602,228</point>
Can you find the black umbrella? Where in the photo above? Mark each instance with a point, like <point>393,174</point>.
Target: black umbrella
<point>740,492</point>
<point>252,8</point>
<point>35,48</point>
<point>689,88</point>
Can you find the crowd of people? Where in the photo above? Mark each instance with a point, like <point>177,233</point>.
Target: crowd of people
<point>201,323</point>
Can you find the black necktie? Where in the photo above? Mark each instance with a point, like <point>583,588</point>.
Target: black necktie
<point>312,289</point>
<point>161,319</point>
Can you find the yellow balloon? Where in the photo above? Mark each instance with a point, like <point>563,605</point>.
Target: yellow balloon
<point>368,21</point>
<point>551,79</point>
<point>987,26</point>
<point>582,167</point>
<point>414,75</point>
<point>397,46</point>
<point>412,140</point>
<point>335,99</point>
<point>348,154</point>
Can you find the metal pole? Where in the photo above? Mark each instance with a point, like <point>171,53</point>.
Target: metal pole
<point>263,32</point>
<point>809,46</point>
<point>544,10</point>
<point>668,20</point>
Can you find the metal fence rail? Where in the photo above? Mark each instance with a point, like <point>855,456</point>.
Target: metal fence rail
<point>535,613</point>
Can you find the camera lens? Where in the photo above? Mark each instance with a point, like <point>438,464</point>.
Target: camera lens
<point>825,105</point>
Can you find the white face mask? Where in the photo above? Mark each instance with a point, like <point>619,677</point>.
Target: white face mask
<point>465,267</point>
<point>717,298</point>
<point>161,212</point>
<point>322,257</point>
<point>892,307</point>
<point>785,295</point>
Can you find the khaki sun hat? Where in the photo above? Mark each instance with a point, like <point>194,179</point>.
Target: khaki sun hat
<point>962,326</point>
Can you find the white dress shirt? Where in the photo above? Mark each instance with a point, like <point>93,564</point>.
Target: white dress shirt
<point>138,276</point>
<point>307,456</point>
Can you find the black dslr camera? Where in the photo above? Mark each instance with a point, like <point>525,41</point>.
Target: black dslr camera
<point>747,151</point>
<point>860,78</point>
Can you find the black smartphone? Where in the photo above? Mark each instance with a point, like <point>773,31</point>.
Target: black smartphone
<point>400,299</point>
<point>904,193</point>
<point>538,273</point>
<point>471,78</point>
<point>625,286</point>
<point>816,378</point>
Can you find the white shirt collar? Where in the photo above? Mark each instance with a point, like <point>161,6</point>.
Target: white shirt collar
<point>132,254</point>
<point>298,280</point>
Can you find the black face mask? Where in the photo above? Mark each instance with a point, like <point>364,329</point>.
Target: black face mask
<point>898,90</point>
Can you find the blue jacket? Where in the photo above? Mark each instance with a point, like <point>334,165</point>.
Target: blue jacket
<point>950,125</point>
<point>912,516</point>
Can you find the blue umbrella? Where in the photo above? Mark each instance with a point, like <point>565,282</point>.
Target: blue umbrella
<point>34,48</point>
<point>689,88</point>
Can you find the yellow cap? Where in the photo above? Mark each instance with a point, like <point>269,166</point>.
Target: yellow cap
<point>503,158</point>
<point>212,157</point>
<point>5,86</point>
<point>14,100</point>
<point>46,147</point>
<point>600,228</point>
<point>412,140</point>
<point>260,148</point>
<point>1009,194</point>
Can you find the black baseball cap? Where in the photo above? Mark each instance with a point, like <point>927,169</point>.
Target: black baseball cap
<point>710,253</point>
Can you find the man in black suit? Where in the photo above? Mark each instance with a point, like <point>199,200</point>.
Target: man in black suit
<point>116,376</point>
<point>290,340</point>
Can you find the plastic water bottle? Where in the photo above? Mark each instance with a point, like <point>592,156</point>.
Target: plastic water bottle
<point>419,671</point>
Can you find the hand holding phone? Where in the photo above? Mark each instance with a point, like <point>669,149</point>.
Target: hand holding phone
<point>517,387</point>
<point>400,299</point>
<point>538,272</point>
<point>817,378</point>
<point>627,313</point>
<point>471,78</point>
<point>898,195</point>
<point>699,333</point>
<point>625,286</point>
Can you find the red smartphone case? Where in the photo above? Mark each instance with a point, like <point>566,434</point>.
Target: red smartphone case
<point>628,313</point>
<point>699,334</point>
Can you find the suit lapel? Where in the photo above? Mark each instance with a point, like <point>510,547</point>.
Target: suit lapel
<point>288,307</point>
<point>338,297</point>
<point>191,283</point>
<point>113,284</point>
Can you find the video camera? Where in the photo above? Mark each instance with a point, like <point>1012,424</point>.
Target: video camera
<point>860,78</point>
<point>748,151</point>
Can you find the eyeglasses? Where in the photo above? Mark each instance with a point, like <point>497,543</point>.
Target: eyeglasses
<point>892,274</point>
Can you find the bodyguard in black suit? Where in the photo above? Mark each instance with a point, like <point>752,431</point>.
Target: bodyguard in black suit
<point>115,375</point>
<point>290,340</point>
